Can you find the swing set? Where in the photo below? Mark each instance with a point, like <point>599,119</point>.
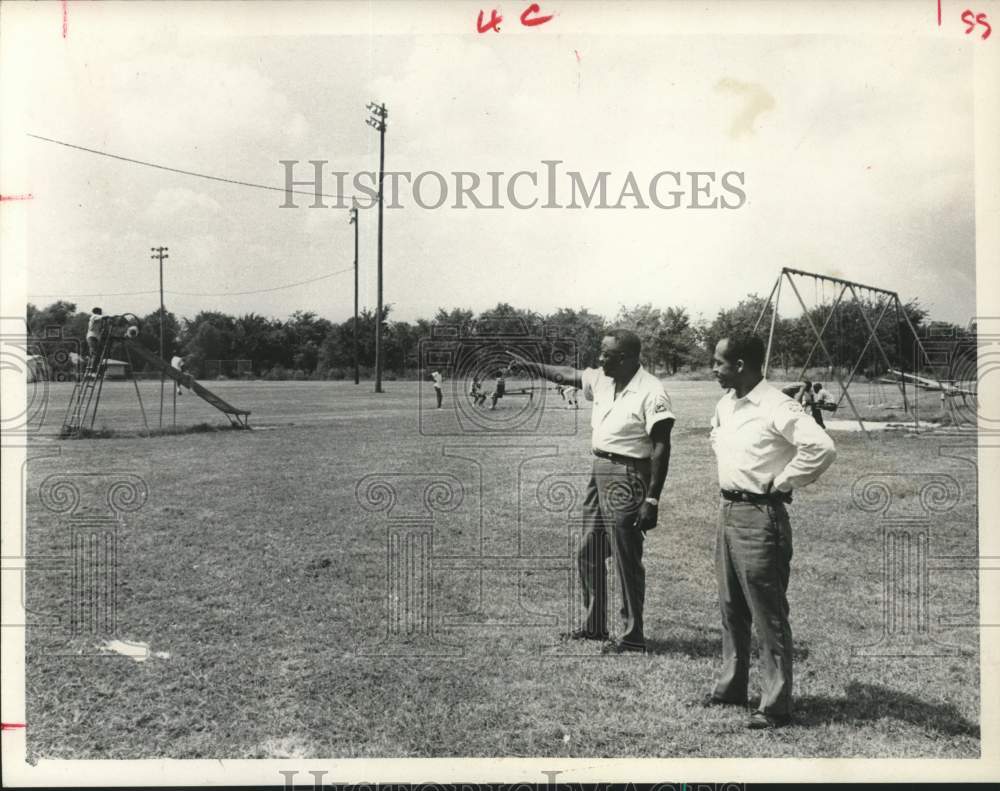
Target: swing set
<point>827,323</point>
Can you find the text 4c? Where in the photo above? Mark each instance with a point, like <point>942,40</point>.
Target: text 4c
<point>532,16</point>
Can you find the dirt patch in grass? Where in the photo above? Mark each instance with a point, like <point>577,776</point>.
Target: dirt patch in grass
<point>170,431</point>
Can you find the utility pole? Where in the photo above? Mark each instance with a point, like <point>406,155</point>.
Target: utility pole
<point>378,121</point>
<point>160,253</point>
<point>354,221</point>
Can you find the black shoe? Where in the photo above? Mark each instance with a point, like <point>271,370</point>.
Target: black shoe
<point>582,634</point>
<point>623,648</point>
<point>759,721</point>
<point>709,700</point>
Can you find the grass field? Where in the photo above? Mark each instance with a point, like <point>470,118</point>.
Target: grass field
<point>265,591</point>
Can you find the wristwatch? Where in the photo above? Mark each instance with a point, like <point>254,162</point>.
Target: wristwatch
<point>652,501</point>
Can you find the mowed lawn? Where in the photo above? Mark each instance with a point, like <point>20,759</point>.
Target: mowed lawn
<point>267,592</point>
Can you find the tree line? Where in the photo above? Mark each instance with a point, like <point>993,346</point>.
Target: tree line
<point>307,346</point>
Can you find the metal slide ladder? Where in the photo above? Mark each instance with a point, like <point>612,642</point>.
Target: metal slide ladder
<point>82,408</point>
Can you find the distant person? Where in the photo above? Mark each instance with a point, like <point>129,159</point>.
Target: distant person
<point>95,326</point>
<point>498,389</point>
<point>570,393</point>
<point>78,363</point>
<point>436,376</point>
<point>822,399</point>
<point>476,392</point>
<point>178,362</point>
<point>765,447</point>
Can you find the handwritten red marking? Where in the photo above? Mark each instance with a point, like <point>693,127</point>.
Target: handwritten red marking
<point>493,24</point>
<point>939,13</point>
<point>65,10</point>
<point>971,19</point>
<point>12,726</point>
<point>27,196</point>
<point>577,56</point>
<point>528,21</point>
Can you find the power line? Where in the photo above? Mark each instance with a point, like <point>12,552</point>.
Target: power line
<point>77,296</point>
<point>264,290</point>
<point>191,172</point>
<point>194,294</point>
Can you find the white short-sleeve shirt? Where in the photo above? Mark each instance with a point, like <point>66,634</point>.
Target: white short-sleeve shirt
<point>622,425</point>
<point>94,325</point>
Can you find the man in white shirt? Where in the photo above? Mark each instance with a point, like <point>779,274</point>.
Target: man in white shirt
<point>94,326</point>
<point>766,446</point>
<point>630,439</point>
<point>822,399</point>
<point>436,376</point>
<point>177,362</point>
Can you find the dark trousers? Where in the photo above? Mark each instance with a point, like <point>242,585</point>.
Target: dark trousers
<point>610,509</point>
<point>752,560</point>
<point>817,414</point>
<point>437,393</point>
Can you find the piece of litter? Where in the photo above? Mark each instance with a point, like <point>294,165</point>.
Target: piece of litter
<point>138,651</point>
<point>566,738</point>
<point>161,654</point>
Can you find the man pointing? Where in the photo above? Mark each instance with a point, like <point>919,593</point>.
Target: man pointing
<point>630,423</point>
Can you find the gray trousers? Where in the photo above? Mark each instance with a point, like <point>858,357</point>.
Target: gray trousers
<point>752,560</point>
<point>610,508</point>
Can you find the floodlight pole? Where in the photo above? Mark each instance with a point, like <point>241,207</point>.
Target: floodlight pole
<point>378,121</point>
<point>160,253</point>
<point>354,221</point>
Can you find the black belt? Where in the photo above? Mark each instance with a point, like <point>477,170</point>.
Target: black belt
<point>739,496</point>
<point>614,457</point>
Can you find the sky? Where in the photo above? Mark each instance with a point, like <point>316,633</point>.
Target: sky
<point>857,162</point>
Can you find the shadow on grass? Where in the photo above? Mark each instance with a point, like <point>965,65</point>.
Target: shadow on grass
<point>708,647</point>
<point>869,702</point>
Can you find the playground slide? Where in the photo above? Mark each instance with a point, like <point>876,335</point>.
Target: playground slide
<point>933,384</point>
<point>187,380</point>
